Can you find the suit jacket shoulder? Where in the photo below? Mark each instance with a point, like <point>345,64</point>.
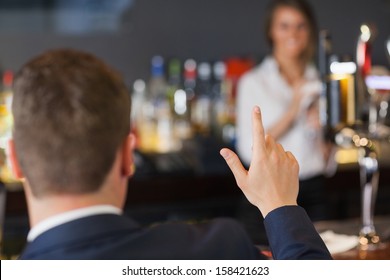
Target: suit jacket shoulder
<point>118,237</point>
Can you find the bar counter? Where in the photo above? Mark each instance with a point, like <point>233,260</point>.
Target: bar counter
<point>352,227</point>
<point>196,185</point>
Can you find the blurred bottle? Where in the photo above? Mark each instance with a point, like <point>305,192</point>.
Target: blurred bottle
<point>138,96</point>
<point>174,80</point>
<point>219,108</point>
<point>329,104</point>
<point>324,52</point>
<point>190,77</point>
<point>368,33</point>
<point>343,72</point>
<point>156,131</point>
<point>154,99</point>
<point>6,124</point>
<point>183,97</point>
<point>157,85</point>
<point>201,105</point>
<point>337,99</point>
<point>235,68</point>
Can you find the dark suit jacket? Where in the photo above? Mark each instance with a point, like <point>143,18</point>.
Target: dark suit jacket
<point>110,236</point>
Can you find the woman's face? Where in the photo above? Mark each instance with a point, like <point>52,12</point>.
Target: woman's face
<point>289,32</point>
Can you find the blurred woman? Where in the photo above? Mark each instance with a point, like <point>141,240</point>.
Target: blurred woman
<point>286,86</point>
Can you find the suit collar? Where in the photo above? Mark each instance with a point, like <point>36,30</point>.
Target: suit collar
<point>68,216</point>
<point>78,231</point>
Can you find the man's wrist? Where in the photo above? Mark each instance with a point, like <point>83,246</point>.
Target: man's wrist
<point>266,210</point>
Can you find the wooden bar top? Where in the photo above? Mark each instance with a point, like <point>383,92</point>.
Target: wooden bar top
<point>352,227</point>
<point>381,252</point>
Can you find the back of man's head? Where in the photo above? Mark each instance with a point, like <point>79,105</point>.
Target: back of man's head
<point>71,114</point>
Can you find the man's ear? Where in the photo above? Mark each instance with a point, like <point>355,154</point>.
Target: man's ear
<point>13,159</point>
<point>127,155</point>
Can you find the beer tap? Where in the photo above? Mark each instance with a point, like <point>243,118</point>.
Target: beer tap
<point>364,133</point>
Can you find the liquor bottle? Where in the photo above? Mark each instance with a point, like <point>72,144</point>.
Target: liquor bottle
<point>182,101</point>
<point>201,108</point>
<point>138,96</point>
<point>329,112</point>
<point>190,76</point>
<point>344,71</point>
<point>235,67</point>
<point>337,99</point>
<point>367,35</point>
<point>163,116</point>
<point>154,133</point>
<point>219,99</point>
<point>174,81</point>
<point>157,84</point>
<point>6,124</point>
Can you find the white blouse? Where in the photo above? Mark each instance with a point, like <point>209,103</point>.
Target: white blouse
<point>264,86</point>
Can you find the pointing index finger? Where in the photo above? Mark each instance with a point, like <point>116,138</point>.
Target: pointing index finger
<point>258,135</point>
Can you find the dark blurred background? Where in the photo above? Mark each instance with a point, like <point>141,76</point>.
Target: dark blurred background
<point>127,33</point>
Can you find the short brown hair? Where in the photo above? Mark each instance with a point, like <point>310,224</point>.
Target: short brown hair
<point>71,114</point>
<point>303,7</point>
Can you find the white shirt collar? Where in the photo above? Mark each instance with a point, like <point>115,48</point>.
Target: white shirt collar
<point>62,218</point>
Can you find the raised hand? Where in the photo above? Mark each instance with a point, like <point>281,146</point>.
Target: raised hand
<point>272,179</point>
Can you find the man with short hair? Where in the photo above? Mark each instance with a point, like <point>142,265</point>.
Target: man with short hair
<point>72,144</point>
